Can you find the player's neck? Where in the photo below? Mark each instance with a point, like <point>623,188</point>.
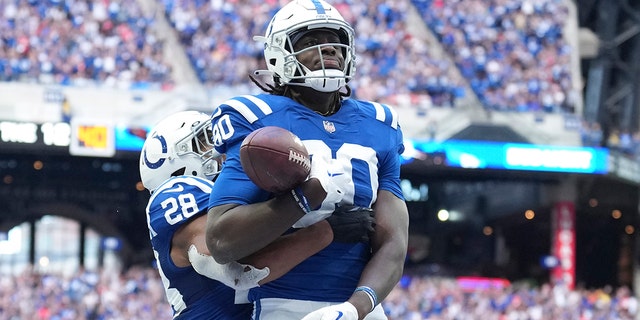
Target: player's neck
<point>323,103</point>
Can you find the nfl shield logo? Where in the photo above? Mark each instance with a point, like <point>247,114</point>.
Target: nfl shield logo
<point>329,127</point>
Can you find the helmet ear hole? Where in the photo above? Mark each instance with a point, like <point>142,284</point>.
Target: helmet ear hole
<point>272,62</point>
<point>179,172</point>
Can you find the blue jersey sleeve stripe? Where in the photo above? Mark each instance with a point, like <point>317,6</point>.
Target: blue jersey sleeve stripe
<point>264,107</point>
<point>242,109</point>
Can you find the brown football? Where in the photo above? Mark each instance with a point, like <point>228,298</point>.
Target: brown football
<point>275,159</point>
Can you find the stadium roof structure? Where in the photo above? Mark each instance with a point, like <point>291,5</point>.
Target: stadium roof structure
<point>485,132</point>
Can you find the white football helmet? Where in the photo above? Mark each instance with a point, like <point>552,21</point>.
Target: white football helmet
<point>289,22</point>
<point>179,145</point>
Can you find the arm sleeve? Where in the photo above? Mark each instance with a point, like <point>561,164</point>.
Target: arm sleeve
<point>390,166</point>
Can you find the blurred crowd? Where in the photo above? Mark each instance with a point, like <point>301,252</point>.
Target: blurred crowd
<point>390,61</point>
<point>446,299</point>
<point>513,52</point>
<point>80,43</point>
<point>112,43</point>
<point>622,140</point>
<point>510,52</point>
<point>137,294</point>
<point>416,298</point>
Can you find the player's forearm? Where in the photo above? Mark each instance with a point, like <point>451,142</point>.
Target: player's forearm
<point>288,251</point>
<point>381,274</point>
<point>234,232</point>
<point>389,245</point>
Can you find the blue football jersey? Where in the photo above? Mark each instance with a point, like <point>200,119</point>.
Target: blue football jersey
<point>361,144</point>
<point>191,295</point>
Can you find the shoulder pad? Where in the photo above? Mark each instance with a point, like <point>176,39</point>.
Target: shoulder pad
<point>252,108</point>
<point>385,114</point>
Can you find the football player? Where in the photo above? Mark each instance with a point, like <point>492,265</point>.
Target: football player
<point>355,149</point>
<point>177,165</point>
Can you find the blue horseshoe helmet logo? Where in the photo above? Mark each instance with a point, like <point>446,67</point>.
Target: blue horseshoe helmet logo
<point>157,164</point>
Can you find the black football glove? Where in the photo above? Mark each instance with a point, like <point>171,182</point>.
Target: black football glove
<point>351,224</point>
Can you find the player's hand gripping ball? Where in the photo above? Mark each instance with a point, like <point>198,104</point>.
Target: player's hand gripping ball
<point>275,159</point>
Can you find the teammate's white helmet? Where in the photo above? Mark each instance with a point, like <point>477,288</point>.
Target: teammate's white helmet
<point>178,145</point>
<point>287,26</point>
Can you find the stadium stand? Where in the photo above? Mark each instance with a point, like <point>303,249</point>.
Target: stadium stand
<point>514,53</point>
<point>218,41</point>
<point>165,49</point>
<point>123,45</point>
<point>129,44</point>
<point>446,298</point>
<point>75,42</point>
<point>133,62</point>
<point>137,294</point>
<point>105,294</point>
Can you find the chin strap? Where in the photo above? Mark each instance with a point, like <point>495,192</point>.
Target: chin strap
<point>262,73</point>
<point>327,80</point>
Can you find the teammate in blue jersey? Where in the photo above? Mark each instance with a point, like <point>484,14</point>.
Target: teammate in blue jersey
<point>355,148</point>
<point>177,164</point>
